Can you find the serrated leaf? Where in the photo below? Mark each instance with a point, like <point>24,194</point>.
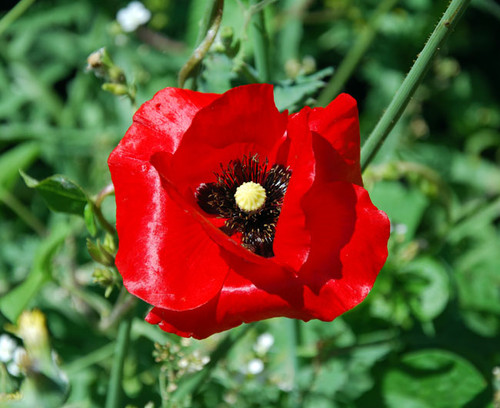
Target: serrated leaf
<point>429,379</point>
<point>292,95</point>
<point>60,193</point>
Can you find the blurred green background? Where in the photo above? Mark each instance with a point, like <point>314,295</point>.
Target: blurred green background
<point>428,334</point>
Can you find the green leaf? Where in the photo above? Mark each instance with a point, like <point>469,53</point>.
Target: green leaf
<point>292,94</point>
<point>60,193</point>
<point>403,205</point>
<point>14,302</point>
<point>431,379</point>
<point>432,295</point>
<point>88,216</point>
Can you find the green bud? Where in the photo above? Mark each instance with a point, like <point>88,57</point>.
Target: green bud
<point>226,36</point>
<point>308,65</point>
<point>116,75</point>
<point>100,254</point>
<point>104,277</point>
<point>115,89</point>
<point>109,244</point>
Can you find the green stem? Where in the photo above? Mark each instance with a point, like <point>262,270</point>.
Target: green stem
<point>106,191</point>
<point>295,340</point>
<point>16,12</point>
<point>114,396</point>
<point>217,7</point>
<point>94,357</point>
<point>22,212</point>
<point>243,68</point>
<point>411,82</point>
<point>260,43</point>
<point>124,304</point>
<point>355,54</point>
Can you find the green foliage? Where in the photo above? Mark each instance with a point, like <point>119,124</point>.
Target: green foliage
<point>60,193</point>
<point>437,372</point>
<point>426,336</point>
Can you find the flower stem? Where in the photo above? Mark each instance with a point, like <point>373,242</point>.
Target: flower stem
<point>16,12</point>
<point>114,396</point>
<point>260,43</point>
<point>295,341</point>
<point>209,30</point>
<point>123,305</point>
<point>412,80</point>
<point>353,57</point>
<point>106,191</point>
<point>22,212</point>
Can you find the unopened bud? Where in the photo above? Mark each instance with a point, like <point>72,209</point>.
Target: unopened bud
<point>99,253</point>
<point>115,89</point>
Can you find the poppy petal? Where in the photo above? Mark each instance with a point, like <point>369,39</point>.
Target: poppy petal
<point>336,142</point>
<point>349,247</point>
<point>164,255</point>
<point>227,130</point>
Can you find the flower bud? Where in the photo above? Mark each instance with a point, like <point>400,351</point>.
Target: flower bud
<point>100,254</point>
<point>115,89</point>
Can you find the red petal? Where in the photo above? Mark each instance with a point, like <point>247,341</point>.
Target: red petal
<point>349,247</point>
<point>292,239</point>
<point>239,302</point>
<point>164,120</point>
<point>155,235</point>
<point>164,255</point>
<point>243,301</point>
<point>242,121</point>
<point>336,140</point>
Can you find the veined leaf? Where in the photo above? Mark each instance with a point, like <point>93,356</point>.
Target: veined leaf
<point>60,193</point>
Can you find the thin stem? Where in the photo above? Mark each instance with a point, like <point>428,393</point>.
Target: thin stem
<point>355,54</point>
<point>114,396</point>
<point>260,43</point>
<point>243,68</point>
<point>124,304</point>
<point>94,357</point>
<point>295,339</point>
<point>201,50</point>
<point>411,82</point>
<point>106,191</point>
<point>16,12</point>
<point>22,212</point>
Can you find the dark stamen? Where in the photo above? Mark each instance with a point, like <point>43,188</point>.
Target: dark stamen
<point>257,227</point>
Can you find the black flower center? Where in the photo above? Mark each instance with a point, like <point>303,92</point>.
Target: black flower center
<point>249,195</point>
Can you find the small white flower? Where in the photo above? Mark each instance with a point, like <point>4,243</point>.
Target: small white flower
<point>264,342</point>
<point>183,363</point>
<point>400,229</point>
<point>255,366</point>
<point>13,369</point>
<point>132,16</point>
<point>19,358</point>
<point>7,347</point>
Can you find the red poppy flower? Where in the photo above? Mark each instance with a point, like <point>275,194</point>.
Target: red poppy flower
<point>229,211</point>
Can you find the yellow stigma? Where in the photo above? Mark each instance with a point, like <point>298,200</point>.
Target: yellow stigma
<point>250,196</point>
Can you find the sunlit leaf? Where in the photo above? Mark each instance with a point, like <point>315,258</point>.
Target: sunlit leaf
<point>60,193</point>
